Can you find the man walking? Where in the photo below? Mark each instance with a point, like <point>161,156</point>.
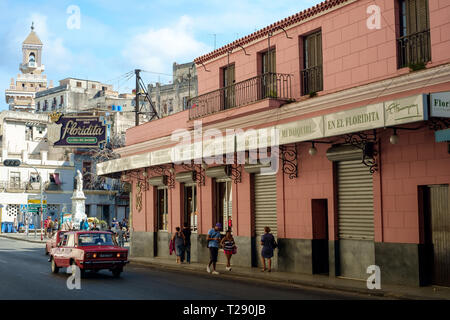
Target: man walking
<point>187,246</point>
<point>213,239</point>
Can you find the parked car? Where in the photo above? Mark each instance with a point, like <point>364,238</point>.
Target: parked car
<point>53,241</point>
<point>89,250</point>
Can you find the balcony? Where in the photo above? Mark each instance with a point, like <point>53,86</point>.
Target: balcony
<point>312,80</point>
<point>414,49</point>
<point>13,186</point>
<point>264,86</point>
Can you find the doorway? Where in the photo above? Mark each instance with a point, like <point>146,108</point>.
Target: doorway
<point>436,227</point>
<point>319,209</point>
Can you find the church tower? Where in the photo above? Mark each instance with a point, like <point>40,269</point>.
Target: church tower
<point>21,92</point>
<point>32,54</point>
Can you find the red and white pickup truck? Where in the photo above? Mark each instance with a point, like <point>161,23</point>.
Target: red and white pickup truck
<point>89,250</point>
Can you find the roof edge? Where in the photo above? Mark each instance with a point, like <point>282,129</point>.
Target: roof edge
<point>284,23</point>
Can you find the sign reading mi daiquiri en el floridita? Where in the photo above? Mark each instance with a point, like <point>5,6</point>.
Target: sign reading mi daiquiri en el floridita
<point>76,131</point>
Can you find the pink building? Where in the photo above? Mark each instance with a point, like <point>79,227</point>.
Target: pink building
<point>356,94</point>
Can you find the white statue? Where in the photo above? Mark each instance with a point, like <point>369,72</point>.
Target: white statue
<point>79,181</point>
<point>78,202</point>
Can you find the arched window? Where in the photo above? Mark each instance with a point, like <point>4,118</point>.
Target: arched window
<point>31,57</point>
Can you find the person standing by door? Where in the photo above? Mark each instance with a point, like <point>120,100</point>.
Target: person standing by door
<point>187,247</point>
<point>268,244</point>
<point>213,239</point>
<point>229,247</point>
<point>179,241</point>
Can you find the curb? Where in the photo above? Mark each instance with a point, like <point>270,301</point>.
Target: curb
<point>19,239</point>
<point>285,282</point>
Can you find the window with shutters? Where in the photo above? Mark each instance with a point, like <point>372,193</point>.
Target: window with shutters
<point>228,82</point>
<point>311,74</point>
<point>413,43</point>
<point>269,75</point>
<point>14,180</point>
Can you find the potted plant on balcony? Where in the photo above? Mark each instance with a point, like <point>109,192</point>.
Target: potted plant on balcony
<point>416,66</point>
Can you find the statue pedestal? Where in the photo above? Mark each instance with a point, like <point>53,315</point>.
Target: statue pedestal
<point>78,208</point>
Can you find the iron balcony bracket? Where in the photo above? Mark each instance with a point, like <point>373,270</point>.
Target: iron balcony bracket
<point>236,172</point>
<point>367,143</point>
<point>436,124</point>
<point>198,169</point>
<point>289,159</point>
<point>167,171</point>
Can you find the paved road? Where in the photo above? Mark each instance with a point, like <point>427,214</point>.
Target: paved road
<point>25,274</point>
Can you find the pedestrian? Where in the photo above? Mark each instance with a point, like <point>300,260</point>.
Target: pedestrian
<point>46,225</point>
<point>94,227</point>
<point>50,228</point>
<point>187,246</point>
<point>213,239</point>
<point>56,225</point>
<point>268,244</point>
<point>84,225</point>
<point>229,247</point>
<point>120,237</point>
<point>179,242</point>
<point>115,224</point>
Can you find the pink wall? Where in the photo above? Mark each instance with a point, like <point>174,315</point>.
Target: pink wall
<point>157,128</point>
<point>353,55</point>
<point>415,160</point>
<point>315,181</point>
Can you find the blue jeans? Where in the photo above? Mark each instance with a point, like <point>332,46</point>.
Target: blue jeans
<point>187,251</point>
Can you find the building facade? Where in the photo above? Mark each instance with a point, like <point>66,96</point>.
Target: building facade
<point>172,98</point>
<point>78,95</point>
<point>23,137</point>
<point>21,93</point>
<point>349,109</point>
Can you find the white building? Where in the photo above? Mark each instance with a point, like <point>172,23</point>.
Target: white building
<point>23,137</point>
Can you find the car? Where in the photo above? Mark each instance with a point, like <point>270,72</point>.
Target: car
<point>53,241</point>
<point>89,250</point>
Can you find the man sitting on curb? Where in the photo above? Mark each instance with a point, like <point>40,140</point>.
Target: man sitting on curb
<point>213,239</point>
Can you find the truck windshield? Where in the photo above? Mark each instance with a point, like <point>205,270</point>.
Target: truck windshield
<point>96,239</point>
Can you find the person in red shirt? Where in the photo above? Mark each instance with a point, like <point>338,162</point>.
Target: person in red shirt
<point>47,227</point>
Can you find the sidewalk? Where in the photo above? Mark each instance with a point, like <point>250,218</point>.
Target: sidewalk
<point>32,238</point>
<point>317,281</point>
<point>24,237</point>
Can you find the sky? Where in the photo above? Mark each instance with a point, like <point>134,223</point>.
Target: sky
<point>113,37</point>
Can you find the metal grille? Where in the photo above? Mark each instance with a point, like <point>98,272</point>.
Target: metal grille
<point>414,49</point>
<point>265,195</point>
<point>12,210</point>
<point>355,201</point>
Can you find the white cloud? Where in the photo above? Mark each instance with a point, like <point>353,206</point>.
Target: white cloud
<point>156,49</point>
